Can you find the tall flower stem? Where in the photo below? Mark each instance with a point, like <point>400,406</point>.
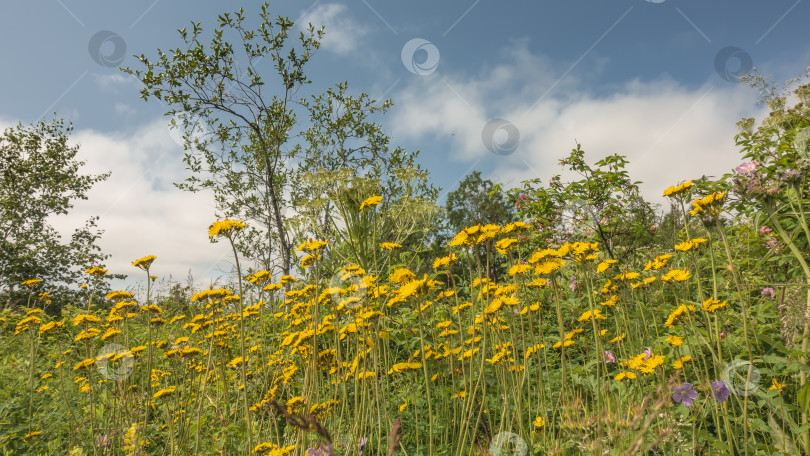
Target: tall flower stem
<point>242,366</point>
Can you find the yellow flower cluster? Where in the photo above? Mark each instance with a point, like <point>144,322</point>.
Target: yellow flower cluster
<point>224,227</point>
<point>709,204</point>
<point>144,262</point>
<point>677,190</point>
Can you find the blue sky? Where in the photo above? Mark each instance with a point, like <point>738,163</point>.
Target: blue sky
<point>653,80</point>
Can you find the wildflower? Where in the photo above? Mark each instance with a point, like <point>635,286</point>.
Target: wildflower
<point>96,271</point>
<point>390,245</point>
<point>675,341</point>
<point>677,275</point>
<point>505,245</point>
<point>30,283</point>
<point>144,262</point>
<point>309,260</point>
<point>678,364</point>
<point>371,201</point>
<point>163,392</point>
<point>401,276</point>
<point>119,295</point>
<point>403,407</point>
<point>675,191</point>
<point>764,230</point>
<point>604,265</point>
<point>596,315</point>
<point>684,394</point>
<point>539,422</point>
<point>625,374</point>
<point>720,391</point>
<point>769,291</point>
<point>609,357</point>
<point>675,315</point>
<point>775,385</point>
<point>573,285</point>
<point>311,246</point>
<point>657,263</point>
<point>711,304</point>
<point>746,168</point>
<point>31,434</point>
<point>519,269</point>
<point>224,227</point>
<point>444,261</point>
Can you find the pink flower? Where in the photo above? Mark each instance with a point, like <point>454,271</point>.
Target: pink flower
<point>771,244</point>
<point>746,168</point>
<point>770,291</point>
<point>764,230</point>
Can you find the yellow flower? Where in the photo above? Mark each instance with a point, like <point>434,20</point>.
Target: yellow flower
<point>119,295</point>
<point>549,266</point>
<point>85,363</point>
<point>371,201</point>
<point>163,392</point>
<point>403,407</point>
<point>96,271</point>
<point>675,315</point>
<point>224,227</point>
<point>85,318</point>
<point>679,362</point>
<point>311,246</point>
<point>30,283</point>
<point>445,261</point>
<point>539,422</point>
<point>401,276</point>
<point>309,260</point>
<point>775,385</point>
<point>460,395</point>
<point>49,326</point>
<point>675,341</point>
<point>88,333</point>
<point>144,262</point>
<point>505,245</point>
<point>625,374</point>
<point>109,333</point>
<point>596,315</point>
<point>604,265</point>
<point>711,304</point>
<point>390,245</point>
<point>675,191</point>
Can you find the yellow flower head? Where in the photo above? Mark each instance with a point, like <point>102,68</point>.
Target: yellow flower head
<point>30,283</point>
<point>390,245</point>
<point>371,201</point>
<point>96,271</point>
<point>224,227</point>
<point>675,191</point>
<point>144,262</point>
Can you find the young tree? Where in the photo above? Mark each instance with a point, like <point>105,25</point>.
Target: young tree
<point>262,149</point>
<point>39,178</point>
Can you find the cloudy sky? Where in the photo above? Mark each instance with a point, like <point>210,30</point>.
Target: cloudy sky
<point>508,88</point>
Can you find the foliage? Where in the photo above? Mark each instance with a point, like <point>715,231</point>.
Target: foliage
<point>246,142</point>
<point>40,178</point>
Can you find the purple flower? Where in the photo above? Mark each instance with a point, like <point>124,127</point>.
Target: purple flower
<point>770,291</point>
<point>609,357</point>
<point>771,244</point>
<point>102,441</point>
<point>573,285</point>
<point>746,168</point>
<point>363,443</point>
<point>722,334</point>
<point>684,394</point>
<point>523,196</point>
<point>647,354</point>
<point>764,230</point>
<point>720,390</point>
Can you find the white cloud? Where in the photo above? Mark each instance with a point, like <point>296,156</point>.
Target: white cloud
<point>141,212</point>
<point>668,132</point>
<point>115,81</point>
<point>342,33</point>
